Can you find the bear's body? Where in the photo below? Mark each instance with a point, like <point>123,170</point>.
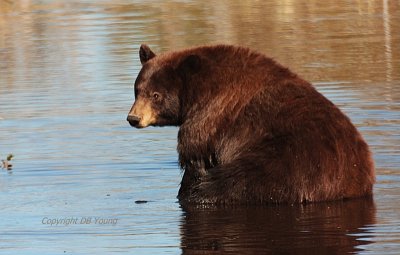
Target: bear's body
<point>251,131</point>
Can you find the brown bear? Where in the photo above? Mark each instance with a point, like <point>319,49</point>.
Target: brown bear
<point>251,131</point>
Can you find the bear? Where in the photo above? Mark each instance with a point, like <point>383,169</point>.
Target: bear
<point>250,130</point>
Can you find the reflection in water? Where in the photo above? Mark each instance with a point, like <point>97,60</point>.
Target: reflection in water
<point>388,40</point>
<point>321,228</point>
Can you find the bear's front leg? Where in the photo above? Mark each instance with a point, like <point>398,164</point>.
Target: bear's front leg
<point>223,184</point>
<point>193,172</point>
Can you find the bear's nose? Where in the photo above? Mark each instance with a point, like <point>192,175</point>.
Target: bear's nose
<point>133,120</point>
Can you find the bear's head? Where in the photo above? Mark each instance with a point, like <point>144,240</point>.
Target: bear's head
<point>158,89</point>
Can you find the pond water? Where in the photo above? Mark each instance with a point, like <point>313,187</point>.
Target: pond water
<point>66,85</point>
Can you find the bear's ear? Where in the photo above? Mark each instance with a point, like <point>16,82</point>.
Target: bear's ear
<point>145,54</point>
<point>190,64</point>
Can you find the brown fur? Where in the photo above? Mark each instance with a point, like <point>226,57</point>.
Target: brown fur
<point>253,132</point>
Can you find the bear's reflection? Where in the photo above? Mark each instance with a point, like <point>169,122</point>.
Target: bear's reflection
<point>321,228</point>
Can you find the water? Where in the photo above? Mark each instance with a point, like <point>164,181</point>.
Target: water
<point>66,84</point>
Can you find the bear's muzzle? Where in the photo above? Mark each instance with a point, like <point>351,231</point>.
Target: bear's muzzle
<point>133,120</point>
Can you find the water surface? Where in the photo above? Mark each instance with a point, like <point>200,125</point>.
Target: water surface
<point>66,84</point>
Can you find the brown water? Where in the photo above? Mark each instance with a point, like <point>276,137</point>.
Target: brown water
<point>66,75</point>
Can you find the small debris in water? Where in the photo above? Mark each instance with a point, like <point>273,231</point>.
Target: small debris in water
<point>6,162</point>
<point>141,201</point>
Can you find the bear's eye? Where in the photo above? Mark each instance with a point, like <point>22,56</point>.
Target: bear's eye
<point>156,95</point>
